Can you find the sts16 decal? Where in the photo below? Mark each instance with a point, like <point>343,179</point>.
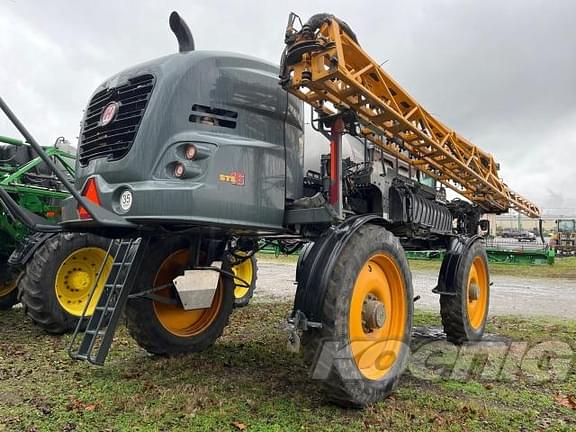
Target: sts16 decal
<point>236,178</point>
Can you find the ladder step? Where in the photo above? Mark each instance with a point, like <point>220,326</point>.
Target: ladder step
<point>126,245</point>
<point>97,338</point>
<point>96,332</point>
<point>121,264</point>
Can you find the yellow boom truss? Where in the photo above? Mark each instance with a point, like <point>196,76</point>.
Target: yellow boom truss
<point>327,69</point>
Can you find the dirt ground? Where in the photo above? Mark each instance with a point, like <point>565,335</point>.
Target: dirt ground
<point>510,295</point>
<point>248,381</point>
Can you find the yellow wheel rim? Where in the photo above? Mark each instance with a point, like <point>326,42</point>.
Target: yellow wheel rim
<point>477,293</point>
<point>77,275</point>
<point>377,347</point>
<point>7,287</point>
<point>244,271</point>
<point>174,318</point>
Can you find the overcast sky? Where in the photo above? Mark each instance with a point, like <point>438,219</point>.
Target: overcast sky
<point>501,73</point>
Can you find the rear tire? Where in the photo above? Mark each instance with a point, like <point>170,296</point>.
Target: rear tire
<point>464,314</point>
<point>248,271</point>
<point>168,329</point>
<point>371,356</point>
<point>48,296</point>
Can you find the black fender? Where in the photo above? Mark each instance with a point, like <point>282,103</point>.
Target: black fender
<point>304,253</point>
<point>458,249</point>
<point>317,262</point>
<point>22,254</point>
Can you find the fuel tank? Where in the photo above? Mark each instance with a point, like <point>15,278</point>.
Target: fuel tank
<point>196,138</point>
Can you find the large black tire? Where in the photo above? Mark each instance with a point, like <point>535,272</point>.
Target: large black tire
<point>370,254</point>
<point>463,318</point>
<point>242,296</point>
<point>160,267</point>
<point>37,287</point>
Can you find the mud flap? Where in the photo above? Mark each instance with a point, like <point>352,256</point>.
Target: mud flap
<point>316,264</point>
<point>459,247</point>
<point>196,288</point>
<point>27,248</point>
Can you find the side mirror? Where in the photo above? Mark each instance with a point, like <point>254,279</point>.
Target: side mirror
<point>484,225</point>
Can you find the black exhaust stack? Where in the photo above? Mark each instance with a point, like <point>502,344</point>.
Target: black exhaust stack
<point>182,32</point>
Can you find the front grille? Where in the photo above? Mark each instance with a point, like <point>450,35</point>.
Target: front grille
<point>114,140</point>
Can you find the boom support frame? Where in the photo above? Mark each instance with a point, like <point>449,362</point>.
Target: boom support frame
<point>324,66</point>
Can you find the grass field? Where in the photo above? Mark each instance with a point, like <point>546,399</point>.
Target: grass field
<point>562,268</point>
<point>248,381</point>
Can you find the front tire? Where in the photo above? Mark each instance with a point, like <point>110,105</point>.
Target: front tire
<point>166,329</point>
<point>367,314</point>
<point>58,279</point>
<point>465,313</point>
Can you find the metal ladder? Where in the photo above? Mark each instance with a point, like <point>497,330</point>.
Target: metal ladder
<point>101,327</point>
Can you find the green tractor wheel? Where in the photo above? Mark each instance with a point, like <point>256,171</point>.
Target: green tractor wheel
<point>246,271</point>
<point>58,279</point>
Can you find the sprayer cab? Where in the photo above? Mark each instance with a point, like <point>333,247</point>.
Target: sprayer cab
<point>197,137</point>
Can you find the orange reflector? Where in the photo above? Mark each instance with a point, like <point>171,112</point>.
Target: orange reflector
<point>91,192</point>
<point>51,214</point>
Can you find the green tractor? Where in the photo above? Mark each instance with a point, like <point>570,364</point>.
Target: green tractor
<point>46,272</point>
<point>27,179</point>
<point>52,273</point>
<point>49,273</point>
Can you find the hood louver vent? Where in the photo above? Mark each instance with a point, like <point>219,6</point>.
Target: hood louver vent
<point>114,139</point>
<point>213,116</point>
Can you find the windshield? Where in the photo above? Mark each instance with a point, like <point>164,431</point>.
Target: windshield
<point>566,226</point>
<point>427,180</point>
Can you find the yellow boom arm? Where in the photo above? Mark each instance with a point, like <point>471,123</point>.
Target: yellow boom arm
<point>324,65</point>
